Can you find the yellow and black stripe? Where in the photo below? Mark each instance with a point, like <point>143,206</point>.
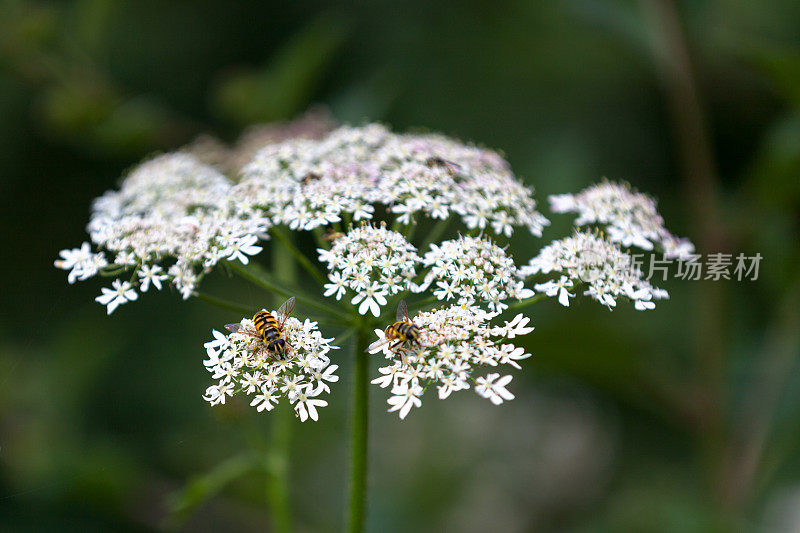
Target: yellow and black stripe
<point>403,331</point>
<point>271,336</point>
<point>267,326</point>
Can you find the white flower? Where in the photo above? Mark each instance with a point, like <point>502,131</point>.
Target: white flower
<point>516,328</point>
<point>81,262</point>
<point>242,247</point>
<point>551,288</point>
<point>469,269</point>
<point>321,377</point>
<point>267,400</point>
<point>405,396</point>
<point>151,274</point>
<point>371,261</point>
<point>216,394</point>
<point>495,391</point>
<point>594,262</point>
<point>453,342</point>
<point>242,363</point>
<point>371,299</point>
<point>121,293</point>
<point>631,218</point>
<point>307,407</point>
<point>337,285</point>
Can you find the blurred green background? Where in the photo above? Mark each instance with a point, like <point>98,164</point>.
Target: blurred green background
<point>686,418</point>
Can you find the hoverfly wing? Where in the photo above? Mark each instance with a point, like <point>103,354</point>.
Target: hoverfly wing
<point>402,312</point>
<point>375,346</point>
<point>233,327</point>
<point>284,311</point>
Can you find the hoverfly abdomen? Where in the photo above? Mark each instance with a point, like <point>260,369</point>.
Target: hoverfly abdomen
<point>267,326</point>
<point>401,332</point>
<point>268,329</point>
<point>278,348</point>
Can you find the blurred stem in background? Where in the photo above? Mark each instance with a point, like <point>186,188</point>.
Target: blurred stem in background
<point>701,189</point>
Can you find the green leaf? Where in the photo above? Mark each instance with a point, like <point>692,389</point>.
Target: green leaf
<point>286,84</point>
<point>204,487</point>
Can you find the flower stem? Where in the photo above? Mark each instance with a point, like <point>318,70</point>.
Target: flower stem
<point>257,275</point>
<point>525,303</point>
<point>280,235</point>
<point>278,469</point>
<point>338,341</point>
<point>434,234</point>
<point>224,304</point>
<point>359,431</point>
<point>280,430</point>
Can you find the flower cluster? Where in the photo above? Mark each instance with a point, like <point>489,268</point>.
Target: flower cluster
<point>171,221</point>
<point>175,218</point>
<point>309,183</point>
<point>631,218</point>
<point>241,363</point>
<point>469,269</point>
<point>371,261</point>
<point>593,261</point>
<point>453,342</point>
<point>315,123</point>
<point>81,262</point>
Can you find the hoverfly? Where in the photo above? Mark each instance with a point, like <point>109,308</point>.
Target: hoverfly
<point>436,161</point>
<point>401,332</point>
<point>332,235</point>
<point>311,176</point>
<point>269,329</point>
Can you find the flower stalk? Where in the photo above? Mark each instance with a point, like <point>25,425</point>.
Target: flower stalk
<point>278,459</point>
<point>359,436</point>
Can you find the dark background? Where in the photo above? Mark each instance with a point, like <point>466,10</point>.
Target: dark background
<point>686,418</point>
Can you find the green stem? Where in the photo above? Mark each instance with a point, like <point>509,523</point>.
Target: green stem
<point>410,230</point>
<point>338,341</point>
<point>258,276</point>
<point>281,426</point>
<point>359,431</point>
<point>320,239</point>
<point>436,232</point>
<point>278,468</point>
<point>224,304</point>
<point>298,255</point>
<point>525,303</point>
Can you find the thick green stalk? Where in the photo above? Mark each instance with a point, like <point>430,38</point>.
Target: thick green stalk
<point>281,427</point>
<point>359,431</point>
<point>277,463</point>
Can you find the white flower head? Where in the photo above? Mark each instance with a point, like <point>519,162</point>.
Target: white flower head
<point>454,343</point>
<point>598,265</point>
<point>81,262</point>
<point>631,218</point>
<point>243,365</point>
<point>371,262</point>
<point>171,210</point>
<point>470,269</point>
<point>307,183</point>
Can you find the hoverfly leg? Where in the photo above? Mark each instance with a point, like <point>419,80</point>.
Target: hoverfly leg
<point>396,346</point>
